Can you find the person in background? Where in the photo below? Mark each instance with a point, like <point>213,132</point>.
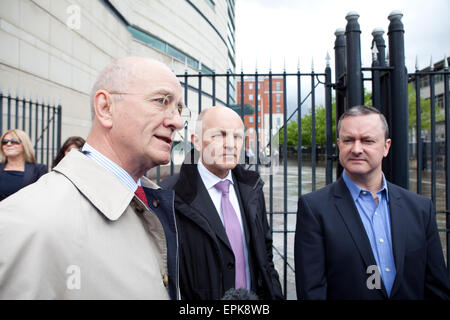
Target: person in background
<point>74,142</point>
<point>363,237</point>
<point>225,240</point>
<point>18,167</point>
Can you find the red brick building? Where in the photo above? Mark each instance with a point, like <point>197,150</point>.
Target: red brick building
<point>261,94</point>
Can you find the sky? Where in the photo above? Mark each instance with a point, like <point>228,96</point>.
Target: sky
<point>278,32</point>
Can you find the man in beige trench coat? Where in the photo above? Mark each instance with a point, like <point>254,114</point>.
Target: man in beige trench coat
<point>81,232</point>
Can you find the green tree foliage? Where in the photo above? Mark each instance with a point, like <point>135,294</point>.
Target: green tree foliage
<point>425,110</point>
<point>306,122</point>
<point>292,126</point>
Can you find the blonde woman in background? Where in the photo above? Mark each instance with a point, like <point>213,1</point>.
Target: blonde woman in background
<point>18,167</point>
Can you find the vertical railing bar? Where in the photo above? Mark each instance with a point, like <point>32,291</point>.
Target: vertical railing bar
<point>186,87</point>
<point>418,135</point>
<point>299,133</point>
<point>433,139</point>
<point>256,122</point>
<point>285,196</point>
<point>17,113</point>
<point>42,128</point>
<point>328,127</point>
<point>36,125</point>
<point>447,162</point>
<point>242,97</point>
<point>9,112</point>
<point>48,135</point>
<point>30,121</point>
<point>58,138</point>
<point>313,133</point>
<point>24,102</point>
<point>271,152</point>
<point>54,119</point>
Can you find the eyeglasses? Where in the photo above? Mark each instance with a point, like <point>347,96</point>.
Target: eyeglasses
<point>13,141</point>
<point>163,102</point>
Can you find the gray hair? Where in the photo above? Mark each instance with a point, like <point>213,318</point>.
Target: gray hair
<point>362,111</point>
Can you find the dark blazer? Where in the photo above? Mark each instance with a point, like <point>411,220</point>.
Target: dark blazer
<point>33,171</point>
<point>206,257</point>
<point>332,250</point>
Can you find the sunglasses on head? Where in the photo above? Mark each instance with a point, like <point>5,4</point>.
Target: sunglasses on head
<point>13,141</point>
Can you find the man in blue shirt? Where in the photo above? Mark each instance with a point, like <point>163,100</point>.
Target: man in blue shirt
<point>363,237</point>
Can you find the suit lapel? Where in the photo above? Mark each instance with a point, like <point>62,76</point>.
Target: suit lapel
<point>347,209</point>
<point>244,213</point>
<point>204,205</point>
<point>398,234</point>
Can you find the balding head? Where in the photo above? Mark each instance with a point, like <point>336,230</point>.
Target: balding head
<point>136,103</point>
<point>122,73</point>
<point>219,137</point>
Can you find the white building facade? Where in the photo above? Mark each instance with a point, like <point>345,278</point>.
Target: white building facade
<point>54,49</point>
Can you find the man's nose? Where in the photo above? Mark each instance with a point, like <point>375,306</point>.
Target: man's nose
<point>175,121</point>
<point>357,147</point>
<point>229,141</point>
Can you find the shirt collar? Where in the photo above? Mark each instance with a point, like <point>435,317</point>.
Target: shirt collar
<point>111,166</point>
<point>209,178</point>
<point>355,190</point>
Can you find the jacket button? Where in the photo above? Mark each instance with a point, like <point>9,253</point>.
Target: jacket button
<point>230,265</point>
<point>165,280</point>
<point>155,203</point>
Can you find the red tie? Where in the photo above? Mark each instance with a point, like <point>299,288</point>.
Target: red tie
<point>141,195</point>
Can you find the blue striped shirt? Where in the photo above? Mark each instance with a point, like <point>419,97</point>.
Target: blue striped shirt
<point>111,166</point>
<point>377,223</point>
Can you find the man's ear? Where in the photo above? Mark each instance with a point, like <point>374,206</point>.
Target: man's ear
<point>387,145</point>
<point>103,105</point>
<point>196,142</point>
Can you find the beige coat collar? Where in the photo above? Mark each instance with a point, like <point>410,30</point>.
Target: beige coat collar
<point>107,193</point>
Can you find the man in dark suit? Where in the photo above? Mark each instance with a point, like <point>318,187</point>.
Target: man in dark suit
<point>363,237</point>
<point>225,241</point>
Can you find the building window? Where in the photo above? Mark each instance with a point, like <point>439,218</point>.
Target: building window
<point>278,97</point>
<point>250,86</point>
<point>278,108</point>
<point>250,119</point>
<point>259,97</point>
<point>440,101</point>
<point>278,121</point>
<point>162,46</point>
<point>278,86</point>
<point>250,97</point>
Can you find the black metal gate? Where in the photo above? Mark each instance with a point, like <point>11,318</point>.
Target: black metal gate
<point>306,161</point>
<point>41,121</point>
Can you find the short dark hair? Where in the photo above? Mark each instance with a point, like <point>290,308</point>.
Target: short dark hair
<point>361,111</point>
